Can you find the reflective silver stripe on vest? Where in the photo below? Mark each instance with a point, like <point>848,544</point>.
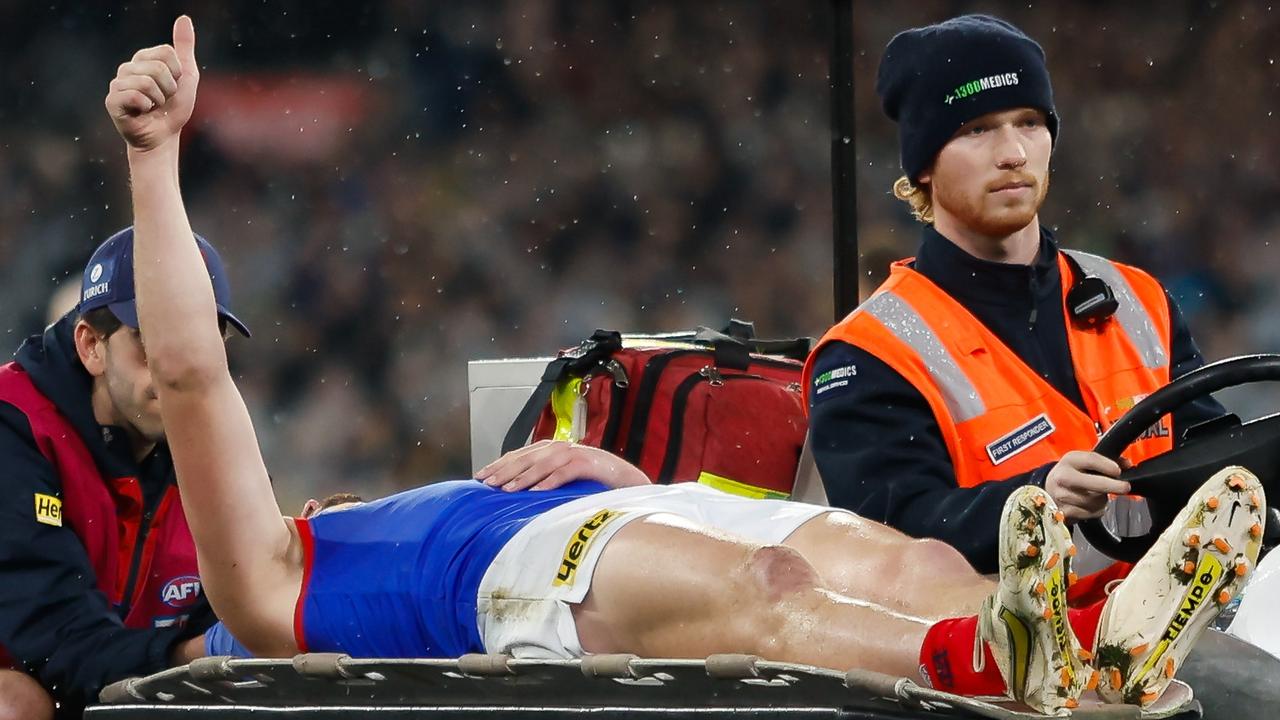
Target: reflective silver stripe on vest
<point>962,399</point>
<point>1132,314</point>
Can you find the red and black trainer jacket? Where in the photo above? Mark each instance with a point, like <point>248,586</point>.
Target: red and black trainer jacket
<point>98,575</point>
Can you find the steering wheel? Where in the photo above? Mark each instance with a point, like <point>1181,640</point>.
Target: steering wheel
<point>1168,480</point>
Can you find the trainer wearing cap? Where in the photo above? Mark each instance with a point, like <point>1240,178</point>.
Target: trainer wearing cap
<point>98,574</point>
<point>992,359</point>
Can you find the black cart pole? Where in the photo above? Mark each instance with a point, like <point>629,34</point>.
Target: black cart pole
<point>844,196</point>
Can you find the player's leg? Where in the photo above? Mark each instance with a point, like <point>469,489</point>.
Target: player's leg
<point>665,587</point>
<point>671,587</point>
<point>22,698</point>
<point>866,559</point>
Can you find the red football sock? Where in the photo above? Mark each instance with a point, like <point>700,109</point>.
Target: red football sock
<point>946,656</point>
<point>1084,621</point>
<point>1091,588</point>
<point>946,659</point>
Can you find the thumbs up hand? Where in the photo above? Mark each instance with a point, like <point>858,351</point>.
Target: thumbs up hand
<point>152,95</point>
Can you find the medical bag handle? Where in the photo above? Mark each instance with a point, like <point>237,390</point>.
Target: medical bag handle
<point>595,349</point>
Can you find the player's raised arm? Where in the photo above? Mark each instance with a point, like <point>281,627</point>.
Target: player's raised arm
<point>240,536</point>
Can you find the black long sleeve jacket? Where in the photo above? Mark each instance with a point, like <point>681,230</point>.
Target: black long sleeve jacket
<point>876,443</point>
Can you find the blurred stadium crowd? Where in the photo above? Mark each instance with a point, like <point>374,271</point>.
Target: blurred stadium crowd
<point>400,188</point>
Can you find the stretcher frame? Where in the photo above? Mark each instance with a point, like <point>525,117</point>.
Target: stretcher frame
<point>598,686</point>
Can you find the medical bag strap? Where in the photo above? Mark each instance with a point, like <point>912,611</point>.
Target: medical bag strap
<point>593,350</point>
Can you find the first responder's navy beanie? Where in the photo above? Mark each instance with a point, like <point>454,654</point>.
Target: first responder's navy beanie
<point>934,79</point>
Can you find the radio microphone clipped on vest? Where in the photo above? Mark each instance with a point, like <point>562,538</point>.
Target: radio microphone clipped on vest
<point>1090,299</point>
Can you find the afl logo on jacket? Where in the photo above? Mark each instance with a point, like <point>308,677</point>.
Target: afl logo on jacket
<point>181,592</point>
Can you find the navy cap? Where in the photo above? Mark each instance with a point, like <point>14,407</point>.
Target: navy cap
<point>108,280</point>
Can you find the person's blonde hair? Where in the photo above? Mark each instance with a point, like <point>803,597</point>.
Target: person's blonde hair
<point>917,197</point>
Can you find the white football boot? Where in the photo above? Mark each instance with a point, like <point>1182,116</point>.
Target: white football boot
<point>1153,618</point>
<point>1025,621</point>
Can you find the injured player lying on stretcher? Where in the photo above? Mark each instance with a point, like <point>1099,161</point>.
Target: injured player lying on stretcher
<point>664,571</point>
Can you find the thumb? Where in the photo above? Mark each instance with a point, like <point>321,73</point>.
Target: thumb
<point>184,41</point>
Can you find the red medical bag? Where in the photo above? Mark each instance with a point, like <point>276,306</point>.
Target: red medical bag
<point>725,410</point>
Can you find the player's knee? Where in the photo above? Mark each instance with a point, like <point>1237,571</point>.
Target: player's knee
<point>780,578</point>
<point>778,571</point>
<point>22,698</point>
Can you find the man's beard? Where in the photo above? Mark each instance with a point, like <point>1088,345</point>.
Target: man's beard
<point>968,210</point>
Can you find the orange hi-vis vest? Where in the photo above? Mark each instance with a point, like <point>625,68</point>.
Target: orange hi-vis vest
<point>999,418</point>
